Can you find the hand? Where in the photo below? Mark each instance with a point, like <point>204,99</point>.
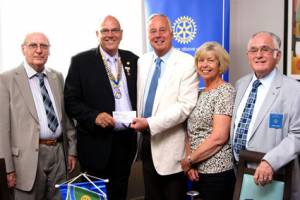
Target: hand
<point>139,124</point>
<point>105,120</point>
<point>263,173</point>
<point>185,165</point>
<point>193,174</point>
<point>11,179</point>
<point>71,163</point>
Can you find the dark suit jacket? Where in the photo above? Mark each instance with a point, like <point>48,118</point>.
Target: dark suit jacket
<point>87,93</point>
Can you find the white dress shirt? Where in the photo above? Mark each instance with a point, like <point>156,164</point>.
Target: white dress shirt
<point>45,132</point>
<point>123,103</point>
<point>262,91</point>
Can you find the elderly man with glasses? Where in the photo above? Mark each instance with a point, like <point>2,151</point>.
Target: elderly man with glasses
<point>36,135</point>
<point>266,117</point>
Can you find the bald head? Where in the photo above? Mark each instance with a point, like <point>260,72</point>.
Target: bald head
<point>35,34</point>
<point>109,18</point>
<point>109,34</point>
<point>35,49</point>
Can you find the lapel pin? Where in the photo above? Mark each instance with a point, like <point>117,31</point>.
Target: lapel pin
<point>127,69</point>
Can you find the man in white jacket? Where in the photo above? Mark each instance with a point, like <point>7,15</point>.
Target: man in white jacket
<point>167,92</point>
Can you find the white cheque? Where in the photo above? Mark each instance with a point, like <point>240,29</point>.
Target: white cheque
<point>125,117</point>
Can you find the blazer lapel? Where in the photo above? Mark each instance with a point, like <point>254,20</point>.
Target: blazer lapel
<point>54,85</point>
<point>241,88</point>
<point>129,73</point>
<point>24,87</point>
<point>269,99</point>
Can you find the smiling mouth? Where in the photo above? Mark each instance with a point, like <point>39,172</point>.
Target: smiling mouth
<point>159,42</point>
<point>260,62</point>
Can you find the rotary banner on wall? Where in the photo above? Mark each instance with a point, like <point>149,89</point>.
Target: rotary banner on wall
<point>194,22</point>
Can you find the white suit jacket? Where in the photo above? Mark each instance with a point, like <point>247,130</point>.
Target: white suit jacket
<point>176,96</point>
<point>281,145</point>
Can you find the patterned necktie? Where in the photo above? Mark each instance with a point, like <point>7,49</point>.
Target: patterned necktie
<point>243,125</point>
<point>51,116</point>
<point>152,89</point>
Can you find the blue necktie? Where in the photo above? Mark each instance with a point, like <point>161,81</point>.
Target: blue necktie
<point>51,116</point>
<point>152,89</point>
<point>243,125</point>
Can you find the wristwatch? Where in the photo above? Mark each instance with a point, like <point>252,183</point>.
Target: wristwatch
<point>189,158</point>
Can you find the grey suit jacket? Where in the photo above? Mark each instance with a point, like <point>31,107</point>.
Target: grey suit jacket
<point>19,126</point>
<point>281,145</point>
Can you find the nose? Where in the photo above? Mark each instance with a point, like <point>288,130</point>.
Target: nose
<point>259,53</point>
<point>38,49</point>
<point>203,63</point>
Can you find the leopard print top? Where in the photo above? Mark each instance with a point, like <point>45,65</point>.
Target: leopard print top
<point>218,101</point>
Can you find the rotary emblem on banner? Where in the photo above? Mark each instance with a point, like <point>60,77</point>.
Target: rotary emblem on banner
<point>85,197</point>
<point>184,29</point>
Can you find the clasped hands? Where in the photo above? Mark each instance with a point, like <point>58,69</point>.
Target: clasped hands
<point>189,170</point>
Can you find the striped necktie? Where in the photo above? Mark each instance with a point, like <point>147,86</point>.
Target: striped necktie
<point>51,116</point>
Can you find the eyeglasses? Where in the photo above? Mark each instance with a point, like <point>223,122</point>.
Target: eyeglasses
<point>34,46</point>
<point>113,31</point>
<point>262,49</point>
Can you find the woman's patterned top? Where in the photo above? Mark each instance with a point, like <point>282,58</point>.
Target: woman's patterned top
<point>218,101</point>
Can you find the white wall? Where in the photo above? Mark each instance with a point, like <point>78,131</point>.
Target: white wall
<point>70,25</point>
<point>246,18</point>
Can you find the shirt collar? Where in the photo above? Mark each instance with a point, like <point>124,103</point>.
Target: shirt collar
<point>30,71</point>
<point>165,57</point>
<point>108,57</point>
<point>267,80</point>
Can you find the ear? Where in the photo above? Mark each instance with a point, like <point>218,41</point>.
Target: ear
<point>275,53</point>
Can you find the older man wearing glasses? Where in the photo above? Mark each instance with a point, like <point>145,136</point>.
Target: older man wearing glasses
<point>100,81</point>
<point>34,129</point>
<point>266,117</point>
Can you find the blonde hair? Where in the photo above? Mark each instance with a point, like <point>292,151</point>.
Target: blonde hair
<point>220,53</point>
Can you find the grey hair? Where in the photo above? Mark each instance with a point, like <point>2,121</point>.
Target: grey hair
<point>276,39</point>
<point>160,15</point>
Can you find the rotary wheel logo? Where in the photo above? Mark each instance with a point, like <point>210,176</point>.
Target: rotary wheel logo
<point>85,197</point>
<point>185,29</point>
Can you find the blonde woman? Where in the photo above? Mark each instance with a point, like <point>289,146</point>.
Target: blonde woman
<point>208,161</point>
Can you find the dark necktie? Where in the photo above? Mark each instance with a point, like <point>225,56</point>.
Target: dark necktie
<point>152,89</point>
<point>240,139</point>
<point>51,116</point>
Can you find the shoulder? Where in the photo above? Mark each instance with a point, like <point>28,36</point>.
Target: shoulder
<point>243,80</point>
<point>179,55</point>
<point>86,54</point>
<point>12,72</point>
<point>128,54</point>
<point>290,83</point>
<point>227,88</point>
<point>146,57</point>
<point>55,73</point>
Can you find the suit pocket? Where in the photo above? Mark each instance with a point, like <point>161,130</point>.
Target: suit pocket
<point>15,151</point>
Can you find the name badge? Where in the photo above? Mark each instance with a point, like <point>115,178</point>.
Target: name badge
<point>275,120</point>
